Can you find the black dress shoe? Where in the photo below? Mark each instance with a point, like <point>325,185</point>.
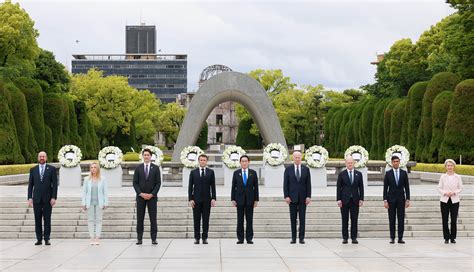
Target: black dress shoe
<point>250,242</point>
<point>204,241</point>
<point>154,242</point>
<point>354,241</point>
<point>139,242</point>
<point>240,242</point>
<point>392,241</point>
<point>46,242</point>
<point>446,241</point>
<point>344,241</point>
<point>302,241</point>
<point>38,243</point>
<point>400,241</point>
<point>293,241</point>
<point>196,241</point>
<point>453,241</point>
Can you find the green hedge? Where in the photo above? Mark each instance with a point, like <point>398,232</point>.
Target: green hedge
<point>387,122</point>
<point>441,106</point>
<point>406,117</point>
<point>327,128</point>
<point>459,129</point>
<point>48,141</point>
<point>54,118</point>
<point>66,139</point>
<point>365,124</point>
<point>415,102</point>
<point>202,139</point>
<point>10,151</point>
<point>439,168</point>
<point>34,100</point>
<point>335,131</point>
<point>22,122</point>
<point>15,169</point>
<point>445,81</point>
<point>377,127</point>
<point>396,122</point>
<point>73,126</point>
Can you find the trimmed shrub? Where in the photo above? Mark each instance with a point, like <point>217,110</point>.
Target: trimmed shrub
<point>327,128</point>
<point>34,100</point>
<point>441,106</point>
<point>366,121</point>
<point>459,128</point>
<point>342,138</point>
<point>73,126</point>
<point>396,123</point>
<point>15,169</point>
<point>404,136</point>
<point>66,139</point>
<point>10,151</point>
<point>48,141</point>
<point>83,129</point>
<point>54,118</point>
<point>445,81</point>
<point>245,139</point>
<point>202,139</point>
<point>131,156</point>
<point>22,122</point>
<point>387,123</point>
<point>335,122</point>
<point>126,141</point>
<point>378,114</point>
<point>439,168</point>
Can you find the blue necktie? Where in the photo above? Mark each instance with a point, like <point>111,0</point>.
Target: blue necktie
<point>245,178</point>
<point>396,176</point>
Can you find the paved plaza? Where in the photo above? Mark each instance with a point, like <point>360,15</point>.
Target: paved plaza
<point>224,255</point>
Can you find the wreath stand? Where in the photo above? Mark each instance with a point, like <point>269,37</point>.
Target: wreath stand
<point>70,177</point>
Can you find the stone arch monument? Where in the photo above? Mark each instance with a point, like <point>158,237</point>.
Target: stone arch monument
<point>229,86</point>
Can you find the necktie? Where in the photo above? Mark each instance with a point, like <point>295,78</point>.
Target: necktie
<point>298,176</point>
<point>396,176</point>
<point>202,172</point>
<point>41,172</point>
<point>350,177</point>
<point>245,178</point>
<point>146,171</point>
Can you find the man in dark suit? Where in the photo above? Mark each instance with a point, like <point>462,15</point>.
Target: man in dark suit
<point>350,196</point>
<point>297,192</point>
<point>396,197</point>
<point>42,195</point>
<point>146,182</point>
<point>244,196</point>
<point>202,196</point>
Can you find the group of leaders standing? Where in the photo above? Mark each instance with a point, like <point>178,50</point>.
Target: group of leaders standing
<point>43,187</point>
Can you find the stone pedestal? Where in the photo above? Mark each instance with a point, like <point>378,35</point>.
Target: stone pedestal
<point>70,177</point>
<point>113,176</point>
<point>273,176</point>
<point>365,176</point>
<point>186,172</point>
<point>228,174</point>
<point>319,177</point>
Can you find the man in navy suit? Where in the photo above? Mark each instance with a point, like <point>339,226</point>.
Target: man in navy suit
<point>396,197</point>
<point>147,182</point>
<point>297,192</point>
<point>350,196</point>
<point>202,196</point>
<point>244,196</point>
<point>42,195</point>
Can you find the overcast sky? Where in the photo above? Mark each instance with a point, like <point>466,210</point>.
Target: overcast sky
<point>313,42</point>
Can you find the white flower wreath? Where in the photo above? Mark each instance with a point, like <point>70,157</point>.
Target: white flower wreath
<point>360,155</point>
<point>275,154</point>
<point>231,156</point>
<point>401,152</point>
<point>156,154</point>
<point>69,156</point>
<point>110,157</point>
<point>316,156</point>
<point>189,156</point>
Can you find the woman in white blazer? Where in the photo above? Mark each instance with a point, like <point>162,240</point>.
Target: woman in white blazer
<point>94,201</point>
<point>450,185</point>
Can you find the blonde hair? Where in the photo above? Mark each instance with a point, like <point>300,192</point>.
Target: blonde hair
<point>98,171</point>
<point>449,161</point>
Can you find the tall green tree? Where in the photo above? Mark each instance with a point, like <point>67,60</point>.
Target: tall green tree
<point>441,106</point>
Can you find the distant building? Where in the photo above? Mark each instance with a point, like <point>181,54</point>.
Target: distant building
<point>140,39</point>
<point>380,57</point>
<point>165,75</point>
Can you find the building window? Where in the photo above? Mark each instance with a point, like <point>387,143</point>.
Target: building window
<point>219,119</point>
<point>218,137</point>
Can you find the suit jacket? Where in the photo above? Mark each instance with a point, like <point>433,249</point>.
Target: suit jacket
<point>150,185</point>
<point>244,195</point>
<point>202,189</point>
<point>392,192</point>
<point>43,191</point>
<point>345,190</point>
<point>87,192</point>
<point>297,191</point>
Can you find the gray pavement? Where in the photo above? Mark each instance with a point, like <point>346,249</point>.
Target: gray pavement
<point>224,255</point>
